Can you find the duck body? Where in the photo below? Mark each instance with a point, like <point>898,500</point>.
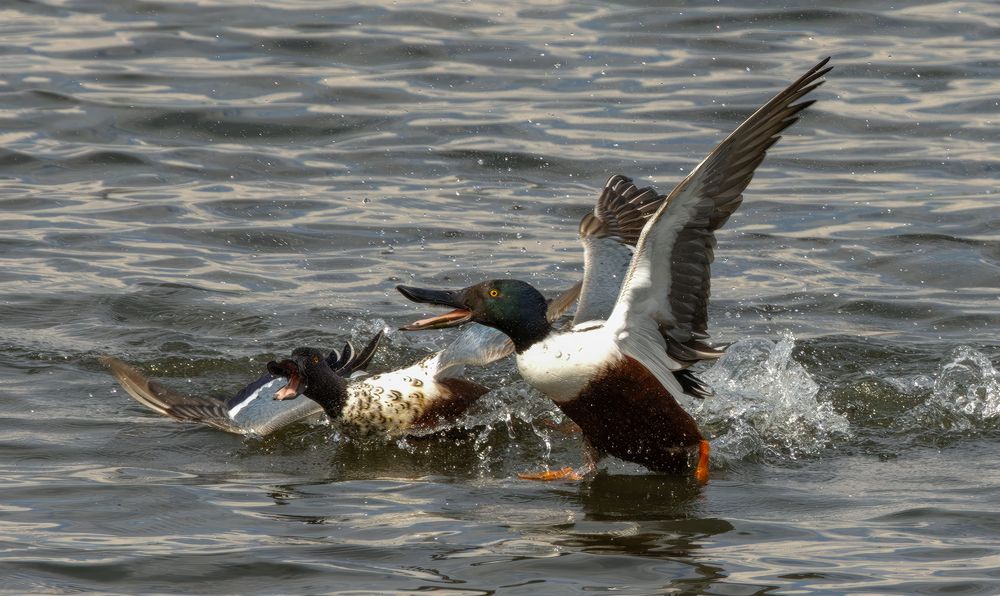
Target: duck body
<point>403,401</point>
<point>620,407</point>
<point>619,372</point>
<point>419,398</point>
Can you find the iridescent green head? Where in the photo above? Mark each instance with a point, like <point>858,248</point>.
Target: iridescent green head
<point>510,305</point>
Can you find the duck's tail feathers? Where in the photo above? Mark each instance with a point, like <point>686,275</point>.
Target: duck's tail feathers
<point>350,360</point>
<point>168,402</point>
<point>692,385</point>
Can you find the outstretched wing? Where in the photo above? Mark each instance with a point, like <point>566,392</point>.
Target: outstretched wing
<point>608,235</point>
<point>660,317</point>
<point>478,345</point>
<point>255,409</point>
<point>168,402</point>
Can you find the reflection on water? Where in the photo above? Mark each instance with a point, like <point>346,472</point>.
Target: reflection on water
<point>198,186</point>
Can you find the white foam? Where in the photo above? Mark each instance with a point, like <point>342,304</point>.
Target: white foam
<point>965,394</point>
<point>766,404</point>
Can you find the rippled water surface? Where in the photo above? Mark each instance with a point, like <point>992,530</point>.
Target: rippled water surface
<point>199,186</point>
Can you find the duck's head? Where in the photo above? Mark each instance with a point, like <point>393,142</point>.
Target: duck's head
<point>510,305</point>
<point>299,369</point>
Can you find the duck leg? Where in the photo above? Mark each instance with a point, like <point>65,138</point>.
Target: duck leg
<point>701,472</point>
<point>591,455</point>
<point>566,473</point>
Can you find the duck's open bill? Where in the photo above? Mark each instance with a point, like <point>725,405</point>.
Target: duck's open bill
<point>290,390</point>
<point>449,319</point>
<point>460,315</point>
<point>290,370</point>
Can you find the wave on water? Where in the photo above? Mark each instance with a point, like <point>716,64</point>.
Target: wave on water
<point>766,404</point>
<point>766,407</point>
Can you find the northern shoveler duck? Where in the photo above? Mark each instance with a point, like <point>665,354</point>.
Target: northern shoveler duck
<point>425,394</point>
<point>618,378</point>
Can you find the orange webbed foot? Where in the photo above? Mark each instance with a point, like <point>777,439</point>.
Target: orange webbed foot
<point>566,473</point>
<point>701,472</point>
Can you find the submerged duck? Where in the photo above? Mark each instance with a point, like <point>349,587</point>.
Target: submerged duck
<point>618,378</point>
<point>419,397</point>
<point>430,392</point>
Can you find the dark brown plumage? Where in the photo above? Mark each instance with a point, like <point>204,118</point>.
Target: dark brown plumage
<point>625,412</point>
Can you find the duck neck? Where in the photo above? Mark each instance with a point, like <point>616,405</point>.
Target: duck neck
<point>528,332</point>
<point>329,390</point>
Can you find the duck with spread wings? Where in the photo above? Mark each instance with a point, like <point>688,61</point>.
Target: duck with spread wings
<point>619,376</point>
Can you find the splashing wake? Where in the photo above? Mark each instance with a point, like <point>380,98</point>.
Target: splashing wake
<point>766,404</point>
<point>965,395</point>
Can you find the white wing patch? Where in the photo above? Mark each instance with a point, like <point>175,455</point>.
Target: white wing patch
<point>476,345</point>
<point>275,384</point>
<point>606,262</point>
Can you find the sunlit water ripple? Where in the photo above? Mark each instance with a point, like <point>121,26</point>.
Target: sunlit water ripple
<point>199,186</point>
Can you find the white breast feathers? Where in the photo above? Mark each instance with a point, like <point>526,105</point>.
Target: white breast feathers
<point>561,365</point>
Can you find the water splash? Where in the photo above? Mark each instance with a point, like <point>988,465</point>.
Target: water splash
<point>965,395</point>
<point>362,330</point>
<point>510,411</point>
<point>507,420</point>
<point>766,404</point>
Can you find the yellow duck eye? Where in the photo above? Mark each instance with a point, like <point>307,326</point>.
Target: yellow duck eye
<point>494,293</point>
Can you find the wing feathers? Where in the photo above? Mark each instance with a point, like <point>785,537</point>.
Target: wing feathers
<point>562,302</point>
<point>621,210</point>
<point>606,234</point>
<point>159,398</point>
<point>669,279</point>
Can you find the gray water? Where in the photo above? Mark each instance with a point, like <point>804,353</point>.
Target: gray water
<point>197,187</point>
